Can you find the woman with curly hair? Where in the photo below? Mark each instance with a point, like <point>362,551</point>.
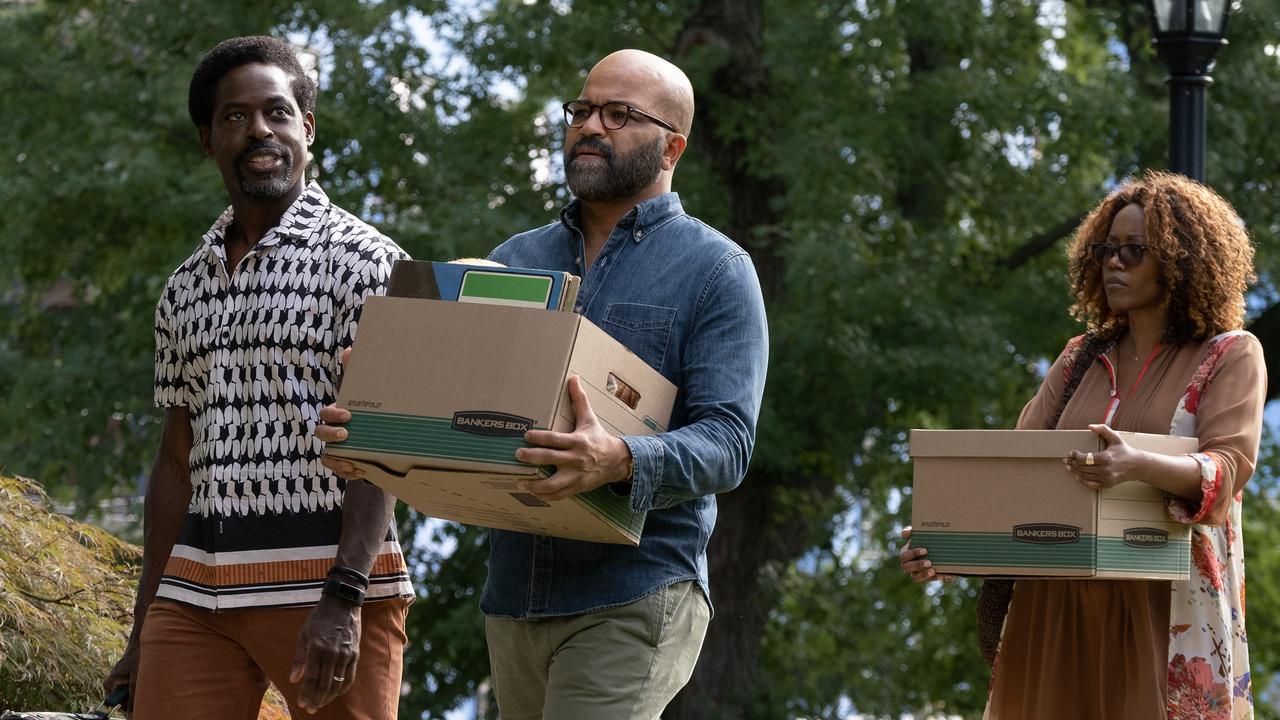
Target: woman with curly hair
<point>1158,271</point>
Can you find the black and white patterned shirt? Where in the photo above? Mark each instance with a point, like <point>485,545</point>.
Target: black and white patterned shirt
<point>253,353</point>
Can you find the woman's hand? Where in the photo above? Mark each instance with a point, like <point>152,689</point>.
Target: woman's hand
<point>1120,462</point>
<point>914,562</point>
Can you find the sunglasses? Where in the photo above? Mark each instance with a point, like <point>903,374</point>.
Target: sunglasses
<point>1130,255</point>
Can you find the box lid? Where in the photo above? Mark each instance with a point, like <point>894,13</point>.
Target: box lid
<point>1033,443</point>
<point>433,358</point>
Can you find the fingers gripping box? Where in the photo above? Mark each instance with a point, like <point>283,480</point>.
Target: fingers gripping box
<point>1000,502</point>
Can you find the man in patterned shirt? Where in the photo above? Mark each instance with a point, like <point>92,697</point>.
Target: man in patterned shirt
<point>260,564</point>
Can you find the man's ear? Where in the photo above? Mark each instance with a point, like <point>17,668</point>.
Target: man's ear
<point>674,149</point>
<point>309,126</point>
<point>206,139</point>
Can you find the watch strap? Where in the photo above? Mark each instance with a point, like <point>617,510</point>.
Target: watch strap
<point>343,589</point>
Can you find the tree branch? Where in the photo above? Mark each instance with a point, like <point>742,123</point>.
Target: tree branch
<point>1041,242</point>
<point>64,600</point>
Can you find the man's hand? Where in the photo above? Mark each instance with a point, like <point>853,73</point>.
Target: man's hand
<point>584,459</point>
<point>330,430</point>
<point>326,654</point>
<point>333,418</point>
<point>124,673</point>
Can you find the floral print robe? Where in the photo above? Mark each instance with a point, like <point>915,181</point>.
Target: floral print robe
<point>1214,391</point>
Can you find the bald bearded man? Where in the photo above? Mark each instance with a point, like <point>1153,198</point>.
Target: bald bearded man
<point>589,630</point>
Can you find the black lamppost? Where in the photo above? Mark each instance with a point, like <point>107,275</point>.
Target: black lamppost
<point>1187,36</point>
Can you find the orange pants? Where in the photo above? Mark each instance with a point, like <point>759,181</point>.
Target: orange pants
<point>201,665</point>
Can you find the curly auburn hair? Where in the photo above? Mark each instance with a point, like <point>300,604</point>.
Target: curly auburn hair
<point>1206,259</point>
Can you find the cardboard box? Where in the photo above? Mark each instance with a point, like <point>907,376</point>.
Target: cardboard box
<point>441,393</point>
<point>485,284</point>
<point>1001,503</point>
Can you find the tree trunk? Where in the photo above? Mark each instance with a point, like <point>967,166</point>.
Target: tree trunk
<point>724,683</point>
<point>725,128</point>
<point>724,680</point>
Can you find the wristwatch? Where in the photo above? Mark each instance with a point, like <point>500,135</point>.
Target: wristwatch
<point>343,590</point>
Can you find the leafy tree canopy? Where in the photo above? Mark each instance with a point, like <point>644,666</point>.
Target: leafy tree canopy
<point>903,172</point>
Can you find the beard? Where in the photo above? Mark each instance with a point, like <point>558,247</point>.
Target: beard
<point>620,177</point>
<point>272,186</point>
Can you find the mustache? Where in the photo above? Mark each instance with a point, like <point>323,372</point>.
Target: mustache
<point>270,145</point>
<point>593,144</point>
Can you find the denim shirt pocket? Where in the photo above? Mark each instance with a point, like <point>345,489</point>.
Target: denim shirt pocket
<point>644,329</point>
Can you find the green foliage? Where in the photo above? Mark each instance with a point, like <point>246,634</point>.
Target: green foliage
<point>916,148</point>
<point>446,658</point>
<point>851,629</point>
<point>66,605</point>
<point>1262,559</point>
<point>66,600</point>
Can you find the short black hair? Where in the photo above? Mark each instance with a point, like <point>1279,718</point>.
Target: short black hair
<point>231,54</point>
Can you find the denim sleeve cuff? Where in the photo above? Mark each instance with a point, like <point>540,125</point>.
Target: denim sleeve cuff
<point>1210,485</point>
<point>647,453</point>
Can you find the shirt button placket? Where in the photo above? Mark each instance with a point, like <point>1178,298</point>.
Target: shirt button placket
<point>243,281</point>
<point>540,578</point>
<point>227,311</point>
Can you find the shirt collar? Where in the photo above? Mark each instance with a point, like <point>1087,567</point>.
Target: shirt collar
<point>298,223</point>
<point>641,220</point>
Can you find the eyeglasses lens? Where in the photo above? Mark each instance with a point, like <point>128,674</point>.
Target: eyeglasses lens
<point>576,114</point>
<point>613,116</point>
<point>1130,255</point>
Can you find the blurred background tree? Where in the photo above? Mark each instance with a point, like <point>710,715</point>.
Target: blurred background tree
<point>905,174</point>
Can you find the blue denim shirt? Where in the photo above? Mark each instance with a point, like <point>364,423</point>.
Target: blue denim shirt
<point>686,300</point>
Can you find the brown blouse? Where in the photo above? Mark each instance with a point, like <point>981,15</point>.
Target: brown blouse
<point>1098,648</point>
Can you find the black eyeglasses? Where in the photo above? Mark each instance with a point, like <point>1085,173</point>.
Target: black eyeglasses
<point>613,115</point>
<point>1130,255</point>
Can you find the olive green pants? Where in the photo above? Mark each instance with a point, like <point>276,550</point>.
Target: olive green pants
<point>622,663</point>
